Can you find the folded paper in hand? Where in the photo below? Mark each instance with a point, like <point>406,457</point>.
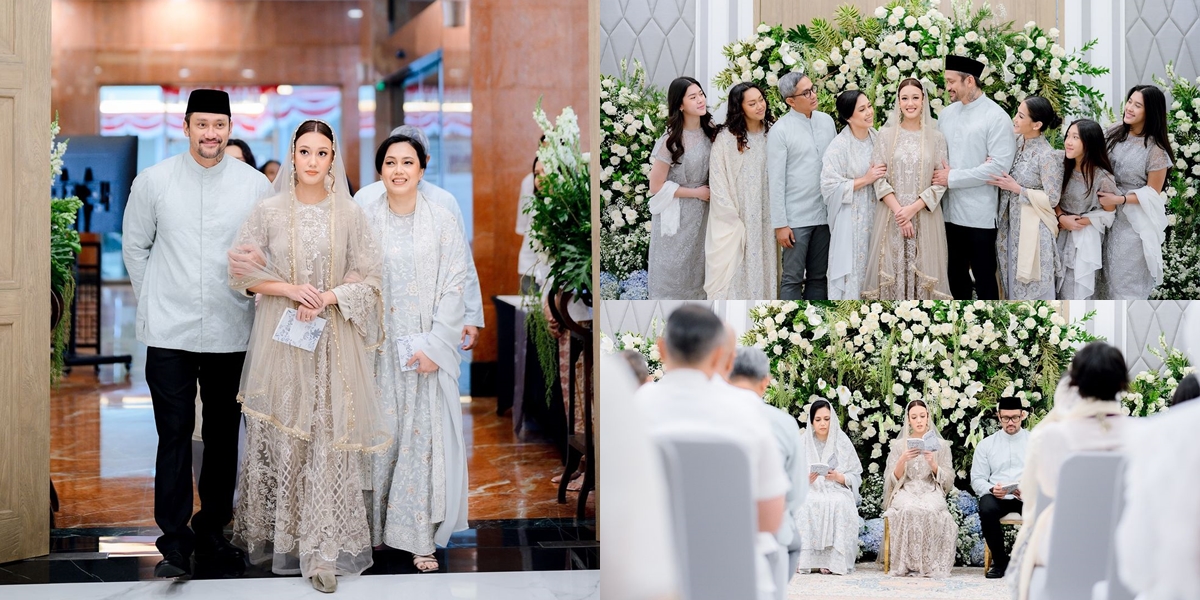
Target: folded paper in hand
<point>294,332</point>
<point>406,347</point>
<point>929,443</point>
<point>821,469</point>
<point>1010,488</point>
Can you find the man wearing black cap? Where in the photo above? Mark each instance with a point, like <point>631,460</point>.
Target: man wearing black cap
<point>999,462</point>
<point>182,217</point>
<point>976,129</point>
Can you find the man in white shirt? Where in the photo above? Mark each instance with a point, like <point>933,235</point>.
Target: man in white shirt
<point>980,144</point>
<point>752,372</point>
<point>999,461</point>
<point>182,217</point>
<point>690,396</point>
<point>473,319</point>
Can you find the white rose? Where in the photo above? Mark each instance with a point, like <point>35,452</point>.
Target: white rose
<point>925,22</point>
<point>1054,32</point>
<point>764,28</point>
<point>881,12</point>
<point>972,36</point>
<point>758,73</point>
<point>756,56</point>
<point>897,389</point>
<point>893,73</point>
<point>910,21</point>
<point>1041,43</point>
<point>893,20</point>
<point>914,36</point>
<point>819,66</point>
<point>935,31</point>
<point>772,80</point>
<point>1026,55</point>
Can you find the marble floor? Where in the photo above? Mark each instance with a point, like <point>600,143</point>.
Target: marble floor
<point>869,582</point>
<point>103,444</point>
<point>551,585</point>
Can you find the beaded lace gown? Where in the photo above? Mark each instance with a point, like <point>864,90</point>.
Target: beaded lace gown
<point>301,505</point>
<point>922,533</point>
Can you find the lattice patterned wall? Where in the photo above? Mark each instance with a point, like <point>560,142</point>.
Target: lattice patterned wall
<point>659,33</point>
<point>1158,32</point>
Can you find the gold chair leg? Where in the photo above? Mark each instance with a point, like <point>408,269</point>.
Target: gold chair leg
<point>987,557</point>
<point>886,546</point>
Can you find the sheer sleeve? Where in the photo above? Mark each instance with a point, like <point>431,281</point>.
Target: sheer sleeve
<point>1157,158</point>
<point>890,482</point>
<point>883,187</point>
<point>932,195</point>
<point>255,235</point>
<point>359,299</point>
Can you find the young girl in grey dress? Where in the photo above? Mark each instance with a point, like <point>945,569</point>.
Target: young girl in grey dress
<point>1141,156</point>
<point>680,158</point>
<point>1086,173</point>
<point>1037,167</point>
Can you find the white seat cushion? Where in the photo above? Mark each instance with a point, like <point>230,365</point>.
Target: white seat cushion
<point>1012,516</point>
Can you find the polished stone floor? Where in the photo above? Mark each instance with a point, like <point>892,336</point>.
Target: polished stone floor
<point>103,444</point>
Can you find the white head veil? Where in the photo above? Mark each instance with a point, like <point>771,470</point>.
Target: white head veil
<point>945,474</point>
<point>838,448</point>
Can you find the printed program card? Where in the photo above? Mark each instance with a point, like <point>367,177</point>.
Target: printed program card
<point>294,332</point>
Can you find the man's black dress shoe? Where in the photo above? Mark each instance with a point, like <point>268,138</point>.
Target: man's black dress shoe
<point>216,547</point>
<point>173,565</point>
<point>997,571</point>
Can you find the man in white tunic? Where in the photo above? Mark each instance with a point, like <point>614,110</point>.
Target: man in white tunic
<point>693,397</point>
<point>980,144</point>
<point>182,217</point>
<point>752,372</point>
<point>473,320</point>
<point>795,147</point>
<point>999,461</point>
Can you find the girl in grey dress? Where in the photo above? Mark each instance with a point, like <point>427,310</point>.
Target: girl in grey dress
<point>676,270</point>
<point>1086,173</point>
<point>1036,167</point>
<point>1141,155</point>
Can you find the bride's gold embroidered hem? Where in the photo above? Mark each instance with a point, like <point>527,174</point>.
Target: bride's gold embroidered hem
<point>341,445</point>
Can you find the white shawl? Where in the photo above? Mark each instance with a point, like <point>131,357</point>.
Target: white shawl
<point>837,187</point>
<point>839,448</point>
<point>442,274</point>
<point>1149,219</point>
<point>1088,249</point>
<point>666,206</point>
<point>725,235</point>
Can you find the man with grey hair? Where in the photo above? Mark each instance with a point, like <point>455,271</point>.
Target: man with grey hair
<point>752,371</point>
<point>798,214</point>
<point>473,319</point>
<point>980,145</point>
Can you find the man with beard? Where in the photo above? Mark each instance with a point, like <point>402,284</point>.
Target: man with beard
<point>182,217</point>
<point>980,144</point>
<point>999,462</point>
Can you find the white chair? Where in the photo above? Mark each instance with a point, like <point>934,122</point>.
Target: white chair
<point>1085,519</point>
<point>713,513</point>
<point>1112,588</point>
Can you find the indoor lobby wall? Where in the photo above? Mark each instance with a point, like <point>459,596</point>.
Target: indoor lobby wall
<point>520,50</point>
<point>147,42</point>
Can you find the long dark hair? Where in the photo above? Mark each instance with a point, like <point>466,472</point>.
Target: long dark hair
<point>1041,111</point>
<point>675,94</point>
<point>1154,109</point>
<point>735,117</point>
<point>1095,154</point>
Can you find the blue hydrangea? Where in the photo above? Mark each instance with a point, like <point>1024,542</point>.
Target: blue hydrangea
<point>977,554</point>
<point>967,503</point>
<point>636,286</point>
<point>610,287</point>
<point>870,536</point>
<point>971,522</point>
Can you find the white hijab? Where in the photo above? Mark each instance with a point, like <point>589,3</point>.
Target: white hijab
<point>838,448</point>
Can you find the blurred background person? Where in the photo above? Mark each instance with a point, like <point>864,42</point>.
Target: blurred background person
<point>241,151</point>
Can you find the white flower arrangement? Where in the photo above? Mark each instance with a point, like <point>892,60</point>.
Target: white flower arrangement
<point>633,116</point>
<point>910,39</point>
<point>644,344</point>
<point>1181,249</point>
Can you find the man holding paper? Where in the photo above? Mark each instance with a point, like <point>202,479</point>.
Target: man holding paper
<point>997,467</point>
<point>182,215</point>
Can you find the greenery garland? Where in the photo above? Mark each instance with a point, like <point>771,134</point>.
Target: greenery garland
<point>64,247</point>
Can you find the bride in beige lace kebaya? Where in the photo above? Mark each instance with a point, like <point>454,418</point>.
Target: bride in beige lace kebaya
<point>309,414</point>
<point>922,533</point>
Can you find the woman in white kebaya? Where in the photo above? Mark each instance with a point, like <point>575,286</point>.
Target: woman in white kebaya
<point>828,519</point>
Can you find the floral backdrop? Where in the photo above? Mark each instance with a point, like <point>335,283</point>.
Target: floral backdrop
<point>869,359</point>
<point>874,52</point>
